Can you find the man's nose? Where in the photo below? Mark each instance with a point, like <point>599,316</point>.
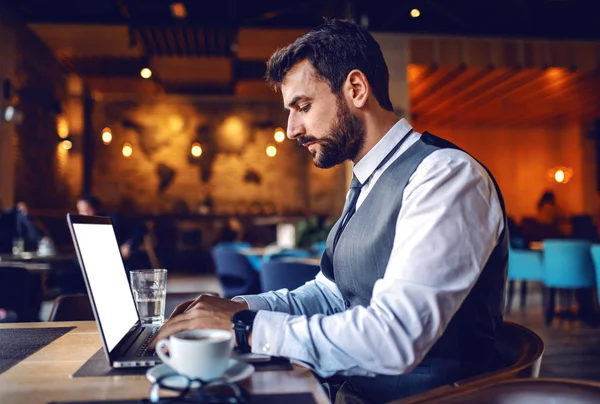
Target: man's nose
<point>294,128</point>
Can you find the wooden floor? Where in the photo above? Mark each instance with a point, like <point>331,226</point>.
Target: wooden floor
<point>571,350</point>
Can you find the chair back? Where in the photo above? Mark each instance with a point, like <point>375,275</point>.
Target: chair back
<point>319,248</point>
<point>15,291</point>
<point>286,253</point>
<point>521,351</point>
<point>74,307</point>
<point>522,391</point>
<point>595,251</point>
<point>232,245</point>
<point>525,265</point>
<point>236,274</point>
<point>282,274</point>
<point>568,264</point>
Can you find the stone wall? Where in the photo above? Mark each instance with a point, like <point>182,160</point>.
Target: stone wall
<point>233,170</point>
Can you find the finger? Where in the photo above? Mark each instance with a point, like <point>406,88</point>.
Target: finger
<point>181,308</point>
<point>164,334</point>
<point>166,330</point>
<point>197,302</point>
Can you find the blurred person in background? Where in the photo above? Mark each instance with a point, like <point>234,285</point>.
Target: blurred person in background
<point>130,234</point>
<point>15,224</point>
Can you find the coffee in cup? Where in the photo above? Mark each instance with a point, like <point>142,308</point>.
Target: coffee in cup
<point>197,354</point>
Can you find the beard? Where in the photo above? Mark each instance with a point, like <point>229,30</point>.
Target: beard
<point>343,142</point>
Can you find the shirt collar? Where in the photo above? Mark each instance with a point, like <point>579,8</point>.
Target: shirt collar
<point>367,165</point>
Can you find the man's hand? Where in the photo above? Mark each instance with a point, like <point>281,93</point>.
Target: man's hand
<point>205,312</point>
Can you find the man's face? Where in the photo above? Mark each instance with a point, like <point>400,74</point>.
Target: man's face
<point>320,120</point>
<point>84,208</point>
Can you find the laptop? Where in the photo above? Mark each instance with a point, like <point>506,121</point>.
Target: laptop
<point>124,338</point>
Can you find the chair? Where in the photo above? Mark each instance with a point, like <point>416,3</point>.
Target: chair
<point>76,307</point>
<point>567,265</point>
<point>319,248</point>
<point>255,260</point>
<point>286,253</point>
<point>232,245</point>
<point>521,350</point>
<point>236,274</point>
<point>523,391</point>
<point>595,251</point>
<point>282,274</point>
<point>524,266</point>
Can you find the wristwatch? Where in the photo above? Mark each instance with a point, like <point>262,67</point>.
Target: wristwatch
<point>242,325</point>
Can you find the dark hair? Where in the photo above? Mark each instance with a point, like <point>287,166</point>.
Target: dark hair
<point>335,49</point>
<point>548,197</point>
<point>93,202</point>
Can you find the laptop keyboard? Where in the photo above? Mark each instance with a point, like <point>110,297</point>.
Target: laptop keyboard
<point>143,349</point>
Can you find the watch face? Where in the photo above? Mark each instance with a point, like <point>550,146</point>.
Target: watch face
<point>245,317</point>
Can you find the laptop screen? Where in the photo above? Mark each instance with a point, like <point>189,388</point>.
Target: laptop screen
<point>107,280</point>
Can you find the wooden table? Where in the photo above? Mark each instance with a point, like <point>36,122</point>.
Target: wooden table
<point>45,375</point>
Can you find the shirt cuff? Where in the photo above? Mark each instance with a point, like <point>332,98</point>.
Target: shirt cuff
<point>254,302</point>
<point>267,332</point>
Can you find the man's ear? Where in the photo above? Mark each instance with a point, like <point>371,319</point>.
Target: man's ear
<point>357,88</point>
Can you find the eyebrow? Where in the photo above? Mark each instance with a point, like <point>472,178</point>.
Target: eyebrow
<point>295,101</point>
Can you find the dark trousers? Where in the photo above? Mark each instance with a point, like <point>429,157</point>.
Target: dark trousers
<point>431,373</point>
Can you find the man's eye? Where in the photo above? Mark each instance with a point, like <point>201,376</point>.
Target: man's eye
<point>305,108</point>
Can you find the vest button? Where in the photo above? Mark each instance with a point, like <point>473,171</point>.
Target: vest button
<point>347,303</point>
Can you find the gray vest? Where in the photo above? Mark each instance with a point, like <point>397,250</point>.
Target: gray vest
<point>364,247</point>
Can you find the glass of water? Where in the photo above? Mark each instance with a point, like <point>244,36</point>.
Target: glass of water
<point>149,288</point>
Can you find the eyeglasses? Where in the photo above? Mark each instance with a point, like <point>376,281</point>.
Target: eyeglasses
<point>198,391</point>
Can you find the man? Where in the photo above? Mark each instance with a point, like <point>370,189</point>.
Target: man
<point>411,286</point>
<point>16,223</point>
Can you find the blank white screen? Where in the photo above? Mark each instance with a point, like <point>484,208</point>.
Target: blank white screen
<point>107,280</point>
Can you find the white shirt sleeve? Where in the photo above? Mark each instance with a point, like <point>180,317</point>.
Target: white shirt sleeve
<point>319,296</point>
<point>448,226</point>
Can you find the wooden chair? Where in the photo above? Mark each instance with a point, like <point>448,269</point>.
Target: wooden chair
<point>523,391</point>
<point>522,350</point>
<point>75,307</point>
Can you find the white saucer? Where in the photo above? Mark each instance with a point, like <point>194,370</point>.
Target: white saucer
<point>236,371</point>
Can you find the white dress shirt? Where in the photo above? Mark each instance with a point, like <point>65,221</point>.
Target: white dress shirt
<point>449,223</point>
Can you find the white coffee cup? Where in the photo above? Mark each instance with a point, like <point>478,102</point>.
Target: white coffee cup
<point>197,354</point>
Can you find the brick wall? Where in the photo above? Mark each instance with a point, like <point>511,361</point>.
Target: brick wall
<point>43,170</point>
<point>233,170</point>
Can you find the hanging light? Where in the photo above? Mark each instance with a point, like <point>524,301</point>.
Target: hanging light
<point>560,175</point>
<point>146,73</point>
<point>62,127</point>
<point>271,151</point>
<point>415,13</point>
<point>66,144</point>
<point>107,136</point>
<point>127,150</point>
<point>279,135</point>
<point>196,149</point>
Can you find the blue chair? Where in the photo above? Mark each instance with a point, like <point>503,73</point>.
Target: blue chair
<point>232,245</point>
<point>286,253</point>
<point>319,248</point>
<point>236,274</point>
<point>255,260</point>
<point>524,266</point>
<point>595,251</point>
<point>282,274</point>
<point>567,265</point>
